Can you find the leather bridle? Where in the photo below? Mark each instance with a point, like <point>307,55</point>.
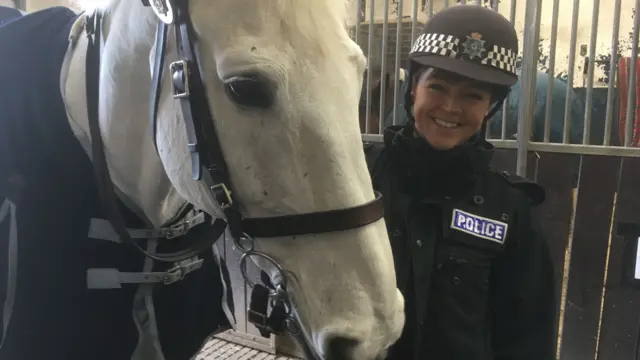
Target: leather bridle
<point>208,165</point>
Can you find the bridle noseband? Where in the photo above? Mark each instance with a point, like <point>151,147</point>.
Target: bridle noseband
<point>209,166</point>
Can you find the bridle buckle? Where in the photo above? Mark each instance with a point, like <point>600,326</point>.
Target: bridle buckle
<point>177,230</point>
<point>180,79</point>
<point>174,274</point>
<point>163,10</point>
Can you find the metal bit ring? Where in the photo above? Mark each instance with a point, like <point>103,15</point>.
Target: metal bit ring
<point>243,248</point>
<point>243,269</point>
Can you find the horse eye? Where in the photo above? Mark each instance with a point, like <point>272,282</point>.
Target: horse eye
<point>253,91</point>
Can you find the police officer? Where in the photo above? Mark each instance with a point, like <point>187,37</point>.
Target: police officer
<point>470,259</point>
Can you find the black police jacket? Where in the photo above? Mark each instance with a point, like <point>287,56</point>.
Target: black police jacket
<point>470,261</point>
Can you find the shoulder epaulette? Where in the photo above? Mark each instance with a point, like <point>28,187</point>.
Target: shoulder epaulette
<point>533,190</point>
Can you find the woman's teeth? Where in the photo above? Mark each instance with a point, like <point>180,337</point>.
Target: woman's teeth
<point>446,124</point>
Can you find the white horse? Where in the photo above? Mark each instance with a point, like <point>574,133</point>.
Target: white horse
<point>299,153</point>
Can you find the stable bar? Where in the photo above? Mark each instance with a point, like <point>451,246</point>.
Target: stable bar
<point>570,72</point>
<point>586,134</point>
<point>488,125</point>
<point>613,68</point>
<point>572,148</point>
<point>396,87</point>
<point>527,89</point>
<point>383,65</point>
<point>369,52</point>
<point>552,68</point>
<point>631,93</point>
<point>505,106</point>
<point>414,21</point>
<point>579,149</point>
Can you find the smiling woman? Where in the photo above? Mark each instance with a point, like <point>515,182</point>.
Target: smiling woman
<point>469,256</point>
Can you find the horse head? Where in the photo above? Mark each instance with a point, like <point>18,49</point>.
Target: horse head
<point>282,81</point>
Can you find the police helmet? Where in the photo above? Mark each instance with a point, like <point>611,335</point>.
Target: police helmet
<point>468,40</point>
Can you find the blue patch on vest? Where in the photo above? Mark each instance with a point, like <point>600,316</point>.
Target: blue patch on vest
<point>479,226</point>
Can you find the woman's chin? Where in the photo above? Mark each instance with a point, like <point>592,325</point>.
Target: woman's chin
<point>440,143</point>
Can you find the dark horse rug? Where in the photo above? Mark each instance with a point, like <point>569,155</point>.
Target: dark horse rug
<point>48,202</point>
<point>7,14</point>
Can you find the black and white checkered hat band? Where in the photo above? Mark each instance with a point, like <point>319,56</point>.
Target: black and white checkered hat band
<point>448,45</point>
<point>445,45</point>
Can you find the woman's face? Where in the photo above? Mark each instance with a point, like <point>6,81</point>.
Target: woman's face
<point>448,109</point>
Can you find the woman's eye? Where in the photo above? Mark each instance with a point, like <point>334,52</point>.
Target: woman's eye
<point>252,91</point>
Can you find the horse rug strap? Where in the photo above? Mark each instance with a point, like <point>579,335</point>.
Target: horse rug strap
<point>113,278</point>
<point>103,230</point>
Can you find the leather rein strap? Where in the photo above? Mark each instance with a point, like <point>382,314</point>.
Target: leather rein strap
<point>206,155</point>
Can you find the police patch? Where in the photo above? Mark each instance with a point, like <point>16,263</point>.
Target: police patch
<point>479,226</point>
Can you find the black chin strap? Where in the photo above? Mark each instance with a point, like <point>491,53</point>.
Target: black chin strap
<point>494,109</point>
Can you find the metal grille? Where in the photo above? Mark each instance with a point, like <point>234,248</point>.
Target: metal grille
<point>218,349</point>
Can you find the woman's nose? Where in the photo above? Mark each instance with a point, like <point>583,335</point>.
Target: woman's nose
<point>452,104</point>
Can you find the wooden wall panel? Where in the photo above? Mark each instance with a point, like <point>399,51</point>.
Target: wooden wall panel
<point>557,173</point>
<point>597,185</point>
<point>619,333</point>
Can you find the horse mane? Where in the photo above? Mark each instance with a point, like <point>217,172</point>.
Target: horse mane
<point>302,19</point>
<point>338,7</point>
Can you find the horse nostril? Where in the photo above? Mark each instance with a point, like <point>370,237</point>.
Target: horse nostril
<point>340,348</point>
